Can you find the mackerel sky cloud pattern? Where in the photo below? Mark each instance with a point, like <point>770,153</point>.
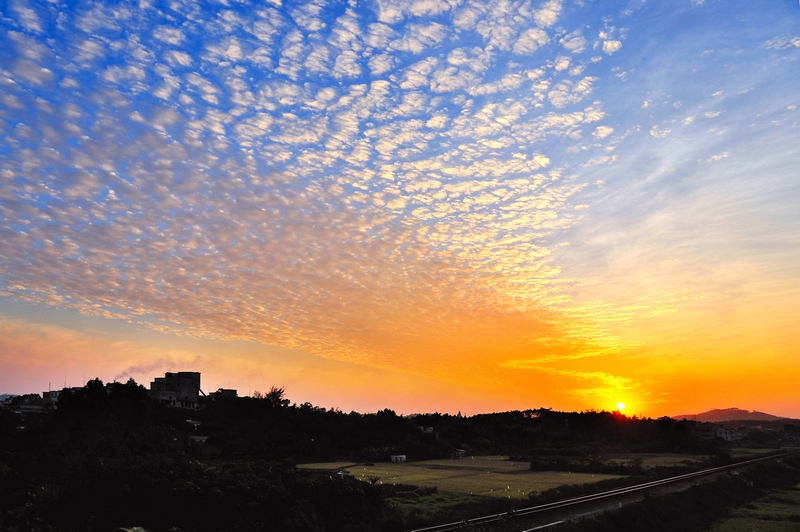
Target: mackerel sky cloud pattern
<point>460,190</point>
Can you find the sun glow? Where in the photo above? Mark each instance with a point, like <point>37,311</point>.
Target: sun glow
<point>620,406</point>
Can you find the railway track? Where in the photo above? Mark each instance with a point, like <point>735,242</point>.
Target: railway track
<point>584,499</point>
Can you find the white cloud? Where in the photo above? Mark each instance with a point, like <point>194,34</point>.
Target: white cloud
<point>602,132</point>
<point>568,92</point>
<point>319,59</point>
<point>530,41</point>
<point>782,43</point>
<point>307,16</point>
<point>438,121</point>
<point>509,82</point>
<point>418,37</point>
<point>548,14</point>
<point>28,71</point>
<point>659,133</point>
<point>466,19</point>
<point>609,47</point>
<point>561,63</point>
<point>170,35</point>
<point>292,51</point>
<point>26,16</point>
<point>228,50</point>
<point>574,42</point>
<point>175,57</point>
<point>476,59</point>
<point>379,35</point>
<point>417,74</point>
<point>347,65</point>
<point>381,64</point>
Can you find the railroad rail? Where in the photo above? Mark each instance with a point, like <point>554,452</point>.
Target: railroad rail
<point>576,501</point>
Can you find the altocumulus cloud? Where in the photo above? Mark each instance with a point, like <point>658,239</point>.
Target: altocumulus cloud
<point>367,184</point>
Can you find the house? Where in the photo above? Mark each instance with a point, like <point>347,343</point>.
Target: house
<point>707,431</point>
<point>728,434</point>
<point>224,393</point>
<point>51,397</point>
<point>792,433</point>
<point>178,390</point>
<point>398,458</point>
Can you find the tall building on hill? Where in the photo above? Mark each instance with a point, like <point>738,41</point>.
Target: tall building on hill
<point>179,390</point>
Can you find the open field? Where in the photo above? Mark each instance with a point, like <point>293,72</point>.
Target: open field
<point>650,460</point>
<point>326,466</point>
<point>486,475</point>
<point>743,452</point>
<point>779,511</point>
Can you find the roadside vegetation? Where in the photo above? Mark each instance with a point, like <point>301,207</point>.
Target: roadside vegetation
<point>763,497</point>
<point>778,511</point>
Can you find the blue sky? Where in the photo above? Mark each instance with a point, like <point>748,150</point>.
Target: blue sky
<point>473,195</point>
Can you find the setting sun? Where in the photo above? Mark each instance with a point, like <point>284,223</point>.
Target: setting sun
<point>620,406</point>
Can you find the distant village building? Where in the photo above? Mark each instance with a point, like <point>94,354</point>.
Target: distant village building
<point>707,431</point>
<point>792,433</point>
<point>224,393</point>
<point>178,390</point>
<point>728,434</point>
<point>398,458</point>
<point>51,397</point>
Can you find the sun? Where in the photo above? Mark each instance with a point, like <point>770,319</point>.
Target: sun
<point>620,406</point>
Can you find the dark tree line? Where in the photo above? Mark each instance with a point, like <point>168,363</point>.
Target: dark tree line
<point>109,456</point>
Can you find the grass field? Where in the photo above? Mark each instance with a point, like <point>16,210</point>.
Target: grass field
<point>779,511</point>
<point>494,476</point>
<point>650,460</point>
<point>744,452</point>
<point>326,466</point>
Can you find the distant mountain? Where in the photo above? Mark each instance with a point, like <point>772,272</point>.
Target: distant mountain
<point>5,396</point>
<point>719,415</point>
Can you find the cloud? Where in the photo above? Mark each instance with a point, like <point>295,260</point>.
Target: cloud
<point>609,47</point>
<point>381,64</point>
<point>418,37</point>
<point>602,132</point>
<point>347,64</point>
<point>548,14</point>
<point>380,183</point>
<point>170,35</point>
<point>530,40</point>
<point>782,43</point>
<point>658,132</point>
<point>719,157</point>
<point>26,16</point>
<point>574,42</point>
<point>569,92</point>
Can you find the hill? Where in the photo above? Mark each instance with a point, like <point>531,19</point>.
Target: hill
<point>719,415</point>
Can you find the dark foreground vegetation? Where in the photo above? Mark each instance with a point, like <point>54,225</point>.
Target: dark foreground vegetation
<point>699,507</point>
<point>109,458</point>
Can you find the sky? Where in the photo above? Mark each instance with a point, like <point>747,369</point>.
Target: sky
<point>422,205</point>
